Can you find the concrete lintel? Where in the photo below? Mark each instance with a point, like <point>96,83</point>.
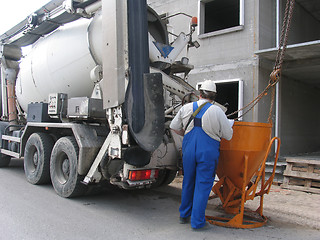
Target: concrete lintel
<point>297,51</point>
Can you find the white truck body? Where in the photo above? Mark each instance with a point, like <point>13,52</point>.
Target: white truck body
<point>85,113</point>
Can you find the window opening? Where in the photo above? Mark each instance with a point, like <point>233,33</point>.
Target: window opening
<point>217,15</point>
<point>229,92</point>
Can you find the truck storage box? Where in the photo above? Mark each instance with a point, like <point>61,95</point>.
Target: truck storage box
<point>84,107</point>
<point>38,112</point>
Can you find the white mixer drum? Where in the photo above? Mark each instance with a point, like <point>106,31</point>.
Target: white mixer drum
<point>58,63</point>
<point>61,62</point>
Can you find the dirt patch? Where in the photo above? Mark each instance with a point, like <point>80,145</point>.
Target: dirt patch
<point>281,205</point>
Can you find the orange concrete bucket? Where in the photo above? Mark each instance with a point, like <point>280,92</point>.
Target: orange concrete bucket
<point>249,139</point>
<point>241,167</point>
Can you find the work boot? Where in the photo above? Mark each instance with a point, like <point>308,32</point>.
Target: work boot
<point>184,220</point>
<point>204,228</point>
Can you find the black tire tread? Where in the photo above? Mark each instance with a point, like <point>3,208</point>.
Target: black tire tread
<point>170,176</point>
<point>165,177</point>
<point>47,144</point>
<point>77,189</point>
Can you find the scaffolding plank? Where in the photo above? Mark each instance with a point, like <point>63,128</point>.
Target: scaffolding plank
<point>303,161</point>
<point>305,175</point>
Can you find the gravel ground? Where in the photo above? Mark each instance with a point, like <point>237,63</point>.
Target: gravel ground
<point>280,205</point>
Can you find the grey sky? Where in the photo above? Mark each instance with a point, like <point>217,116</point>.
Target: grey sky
<point>14,11</point>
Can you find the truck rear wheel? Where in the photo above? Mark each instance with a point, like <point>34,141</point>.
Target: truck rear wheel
<point>37,158</point>
<point>165,178</point>
<point>63,168</point>
<point>170,176</point>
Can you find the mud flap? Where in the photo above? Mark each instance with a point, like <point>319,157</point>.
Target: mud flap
<point>144,101</point>
<point>147,127</point>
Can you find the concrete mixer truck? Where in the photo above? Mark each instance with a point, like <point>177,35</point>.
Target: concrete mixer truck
<point>92,99</point>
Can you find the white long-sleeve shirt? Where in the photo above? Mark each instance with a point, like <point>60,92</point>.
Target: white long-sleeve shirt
<point>214,121</point>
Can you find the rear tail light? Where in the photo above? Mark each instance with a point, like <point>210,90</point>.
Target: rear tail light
<point>138,175</point>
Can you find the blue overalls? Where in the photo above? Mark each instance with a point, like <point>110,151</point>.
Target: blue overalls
<point>200,158</point>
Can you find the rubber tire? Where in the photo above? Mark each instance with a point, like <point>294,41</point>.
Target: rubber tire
<point>38,145</point>
<point>66,184</point>
<point>4,160</point>
<point>170,176</point>
<point>165,178</point>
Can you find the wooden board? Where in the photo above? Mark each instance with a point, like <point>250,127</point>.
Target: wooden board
<point>301,188</point>
<point>302,175</point>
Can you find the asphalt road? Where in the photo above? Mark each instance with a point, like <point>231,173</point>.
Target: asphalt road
<point>36,212</point>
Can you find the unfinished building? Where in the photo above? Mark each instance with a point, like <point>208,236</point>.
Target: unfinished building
<point>238,45</point>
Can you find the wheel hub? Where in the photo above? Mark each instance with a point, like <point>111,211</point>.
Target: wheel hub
<point>66,168</point>
<point>35,158</point>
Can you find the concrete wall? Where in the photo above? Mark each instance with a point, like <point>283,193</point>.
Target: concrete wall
<point>265,68</point>
<point>220,57</point>
<point>267,24</point>
<point>300,128</point>
<point>304,27</point>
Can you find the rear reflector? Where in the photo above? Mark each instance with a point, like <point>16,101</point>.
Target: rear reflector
<point>138,175</point>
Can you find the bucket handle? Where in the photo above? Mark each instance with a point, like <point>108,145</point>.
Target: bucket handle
<point>266,185</point>
<point>251,192</point>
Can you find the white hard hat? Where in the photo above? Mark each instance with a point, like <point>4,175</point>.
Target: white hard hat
<point>208,85</point>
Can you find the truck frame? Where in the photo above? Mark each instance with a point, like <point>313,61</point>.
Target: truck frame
<point>120,134</point>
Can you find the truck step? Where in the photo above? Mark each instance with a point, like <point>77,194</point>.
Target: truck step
<point>10,153</point>
<point>14,146</point>
<point>10,138</point>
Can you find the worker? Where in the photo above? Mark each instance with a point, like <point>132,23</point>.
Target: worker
<point>200,151</point>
